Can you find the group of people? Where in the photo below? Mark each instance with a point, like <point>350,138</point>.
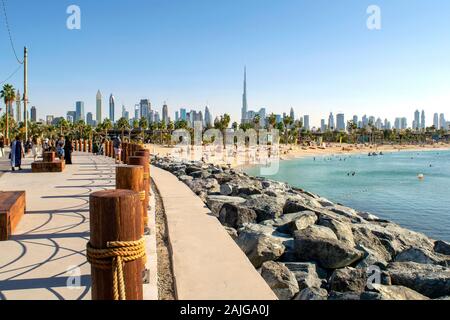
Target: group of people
<point>63,148</point>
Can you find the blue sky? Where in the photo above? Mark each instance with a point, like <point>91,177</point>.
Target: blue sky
<point>316,56</point>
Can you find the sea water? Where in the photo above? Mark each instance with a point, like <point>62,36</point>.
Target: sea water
<point>387,185</point>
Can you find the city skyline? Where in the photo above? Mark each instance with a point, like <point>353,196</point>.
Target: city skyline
<point>313,57</point>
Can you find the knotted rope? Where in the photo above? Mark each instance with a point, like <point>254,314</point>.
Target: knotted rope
<point>113,257</point>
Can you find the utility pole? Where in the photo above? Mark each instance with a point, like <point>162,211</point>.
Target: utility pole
<point>25,90</point>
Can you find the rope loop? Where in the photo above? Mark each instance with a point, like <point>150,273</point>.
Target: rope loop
<point>114,257</point>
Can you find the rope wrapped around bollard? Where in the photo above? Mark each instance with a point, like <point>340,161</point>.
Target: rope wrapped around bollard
<point>114,257</point>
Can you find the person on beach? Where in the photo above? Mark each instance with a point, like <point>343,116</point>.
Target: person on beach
<point>2,147</point>
<point>34,147</point>
<point>60,148</point>
<point>68,149</point>
<point>17,152</point>
<point>117,150</point>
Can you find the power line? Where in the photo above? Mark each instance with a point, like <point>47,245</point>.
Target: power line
<point>9,33</point>
<point>12,75</point>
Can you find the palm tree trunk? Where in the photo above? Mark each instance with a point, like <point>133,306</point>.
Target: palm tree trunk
<point>7,121</point>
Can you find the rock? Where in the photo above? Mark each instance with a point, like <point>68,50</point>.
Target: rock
<point>342,230</point>
<point>312,294</point>
<point>301,221</point>
<point>248,191</point>
<point>345,296</point>
<point>295,205</point>
<point>371,258</point>
<point>215,202</point>
<point>442,247</point>
<point>375,253</point>
<point>370,217</point>
<point>430,280</point>
<point>348,279</point>
<point>280,279</point>
<point>265,207</point>
<point>202,174</point>
<point>422,256</point>
<point>232,232</point>
<point>322,248</point>
<point>397,293</point>
<point>306,274</point>
<point>236,215</point>
<point>443,298</point>
<point>199,185</point>
<point>226,189</point>
<point>259,247</point>
<point>185,178</point>
<point>346,212</point>
<point>190,169</point>
<point>325,202</point>
<point>315,231</point>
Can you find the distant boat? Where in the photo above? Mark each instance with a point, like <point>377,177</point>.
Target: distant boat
<point>421,176</point>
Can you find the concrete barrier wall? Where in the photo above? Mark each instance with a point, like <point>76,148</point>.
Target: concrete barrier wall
<point>207,263</point>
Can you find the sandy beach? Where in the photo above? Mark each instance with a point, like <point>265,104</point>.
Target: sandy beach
<point>288,152</point>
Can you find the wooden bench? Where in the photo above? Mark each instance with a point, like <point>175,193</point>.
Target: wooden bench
<point>12,208</point>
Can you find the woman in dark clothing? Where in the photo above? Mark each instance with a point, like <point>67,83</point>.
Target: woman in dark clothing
<point>68,148</point>
<point>17,153</point>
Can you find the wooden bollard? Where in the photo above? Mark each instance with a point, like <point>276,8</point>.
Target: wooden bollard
<point>115,215</point>
<point>90,146</point>
<point>107,149</point>
<point>142,161</point>
<point>146,153</point>
<point>111,149</point>
<point>49,156</point>
<point>84,146</point>
<point>132,178</point>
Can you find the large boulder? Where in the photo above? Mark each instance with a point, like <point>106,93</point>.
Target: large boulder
<point>430,280</point>
<point>393,293</point>
<point>442,247</point>
<point>259,245</point>
<point>305,273</point>
<point>215,202</point>
<point>312,294</point>
<point>422,256</point>
<point>203,185</point>
<point>342,230</point>
<point>226,189</point>
<point>344,296</point>
<point>266,207</point>
<point>348,279</point>
<point>319,245</point>
<point>236,215</point>
<point>300,221</point>
<point>280,279</point>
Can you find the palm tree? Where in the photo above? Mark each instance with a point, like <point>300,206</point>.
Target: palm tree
<point>123,125</point>
<point>9,95</point>
<point>272,120</point>
<point>107,125</point>
<point>143,124</point>
<point>62,124</point>
<point>257,120</point>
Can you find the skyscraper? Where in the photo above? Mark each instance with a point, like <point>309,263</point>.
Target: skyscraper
<point>208,118</point>
<point>112,106</point>
<point>340,122</point>
<point>33,114</point>
<point>306,125</point>
<point>442,122</point>
<point>244,98</point>
<point>423,124</point>
<point>79,109</point>
<point>98,107</point>
<point>292,114</point>
<point>137,112</point>
<point>416,122</point>
<point>331,125</point>
<point>323,126</point>
<point>177,116</point>
<point>183,115</point>
<point>71,116</point>
<point>18,108</point>
<point>145,108</point>
<point>165,114</point>
<point>436,121</point>
<point>90,119</point>
<point>355,120</point>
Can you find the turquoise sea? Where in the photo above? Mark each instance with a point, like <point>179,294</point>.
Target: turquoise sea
<point>387,186</point>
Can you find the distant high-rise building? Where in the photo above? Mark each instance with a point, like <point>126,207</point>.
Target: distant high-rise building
<point>98,107</point>
<point>137,111</point>
<point>365,121</point>
<point>79,107</point>
<point>144,104</point>
<point>165,114</point>
<point>331,125</point>
<point>71,116</point>
<point>436,121</point>
<point>355,120</point>
<point>244,99</point>
<point>157,118</point>
<point>422,123</point>
<point>340,122</point>
<point>292,114</point>
<point>90,119</point>
<point>416,122</point>
<point>177,116</point>
<point>183,114</point>
<point>18,107</point>
<point>49,120</point>
<point>379,124</point>
<point>33,114</point>
<point>306,124</point>
<point>442,122</point>
<point>323,125</point>
<point>262,117</point>
<point>208,118</point>
<point>112,107</point>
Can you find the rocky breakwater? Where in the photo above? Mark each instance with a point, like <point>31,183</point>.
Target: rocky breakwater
<point>309,248</point>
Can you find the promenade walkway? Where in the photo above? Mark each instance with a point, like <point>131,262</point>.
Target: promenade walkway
<point>207,263</point>
<point>47,251</point>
